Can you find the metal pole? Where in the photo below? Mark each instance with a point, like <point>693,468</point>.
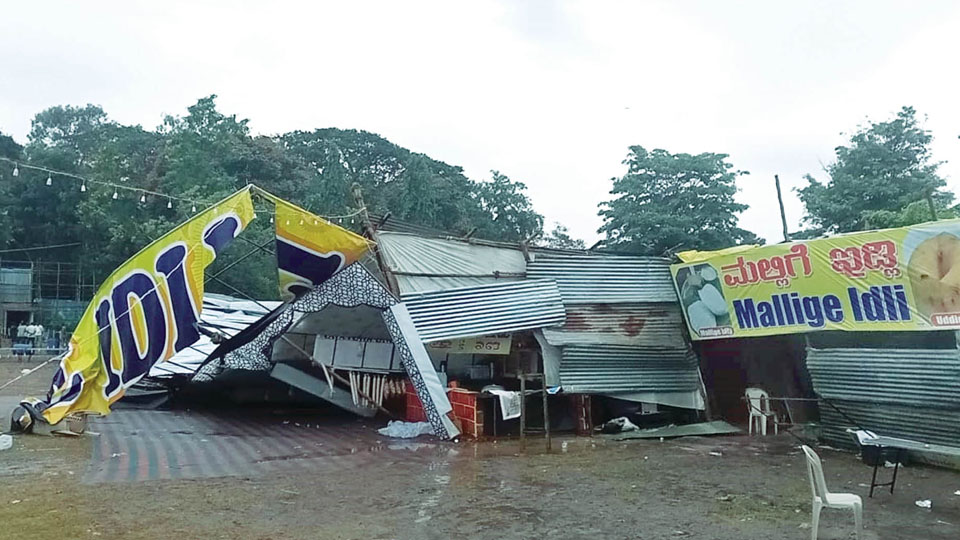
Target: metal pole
<point>783,213</point>
<point>523,410</point>
<point>546,413</point>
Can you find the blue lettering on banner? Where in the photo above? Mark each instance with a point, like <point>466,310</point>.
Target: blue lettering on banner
<point>887,303</point>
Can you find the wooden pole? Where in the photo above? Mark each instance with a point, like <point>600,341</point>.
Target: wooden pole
<point>933,208</point>
<point>783,213</point>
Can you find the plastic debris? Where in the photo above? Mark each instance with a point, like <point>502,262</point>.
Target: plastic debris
<point>618,425</point>
<point>6,442</point>
<point>718,454</point>
<point>957,492</point>
<point>405,430</point>
<point>924,503</point>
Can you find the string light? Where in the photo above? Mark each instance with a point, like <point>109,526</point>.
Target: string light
<point>143,192</point>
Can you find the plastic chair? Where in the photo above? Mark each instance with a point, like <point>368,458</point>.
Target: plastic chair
<point>822,498</point>
<point>758,405</point>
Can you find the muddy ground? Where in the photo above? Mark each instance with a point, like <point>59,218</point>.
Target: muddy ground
<point>351,483</point>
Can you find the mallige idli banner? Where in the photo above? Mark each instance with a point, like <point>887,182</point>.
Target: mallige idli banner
<point>884,280</point>
<point>144,313</point>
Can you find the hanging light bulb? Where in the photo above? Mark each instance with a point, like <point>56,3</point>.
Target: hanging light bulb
<point>115,194</point>
<point>288,222</point>
<point>193,209</point>
<point>315,222</point>
<point>83,186</point>
<point>16,169</point>
<point>301,221</point>
<point>169,203</point>
<point>49,179</point>
<point>143,198</point>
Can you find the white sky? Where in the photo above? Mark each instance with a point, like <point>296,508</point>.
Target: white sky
<point>549,93</point>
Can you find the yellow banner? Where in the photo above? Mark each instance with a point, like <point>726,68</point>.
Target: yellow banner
<point>310,249</point>
<point>885,280</point>
<point>144,313</point>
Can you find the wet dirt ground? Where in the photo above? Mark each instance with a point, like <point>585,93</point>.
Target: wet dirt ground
<point>277,476</point>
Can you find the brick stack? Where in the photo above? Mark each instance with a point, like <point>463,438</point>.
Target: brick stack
<point>466,411</point>
<point>467,415</point>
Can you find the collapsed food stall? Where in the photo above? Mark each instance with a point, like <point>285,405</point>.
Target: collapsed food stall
<point>863,324</point>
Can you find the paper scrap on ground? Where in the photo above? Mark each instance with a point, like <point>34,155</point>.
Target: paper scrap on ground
<point>509,403</point>
<point>406,430</point>
<point>6,441</point>
<point>924,503</point>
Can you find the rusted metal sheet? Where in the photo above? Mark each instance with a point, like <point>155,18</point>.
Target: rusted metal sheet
<point>650,325</point>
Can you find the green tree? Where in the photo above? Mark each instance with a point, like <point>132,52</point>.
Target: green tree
<point>204,156</point>
<point>885,167</point>
<point>667,202</point>
<point>560,238</point>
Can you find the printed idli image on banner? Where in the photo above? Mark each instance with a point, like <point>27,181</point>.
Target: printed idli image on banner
<point>883,280</point>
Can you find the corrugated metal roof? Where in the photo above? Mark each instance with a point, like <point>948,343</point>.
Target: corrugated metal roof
<point>606,278</point>
<point>909,393</point>
<point>918,377</point>
<point>484,310</point>
<point>639,325</point>
<point>433,264</point>
<point>610,368</point>
<point>932,426</point>
<point>222,314</point>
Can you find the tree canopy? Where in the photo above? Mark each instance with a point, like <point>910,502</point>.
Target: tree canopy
<point>876,179</point>
<point>667,202</point>
<point>206,155</point>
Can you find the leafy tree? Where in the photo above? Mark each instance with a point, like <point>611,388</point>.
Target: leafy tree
<point>667,202</point>
<point>413,187</point>
<point>911,214</point>
<point>513,217</point>
<point>560,238</point>
<point>204,156</point>
<point>8,195</point>
<point>885,167</point>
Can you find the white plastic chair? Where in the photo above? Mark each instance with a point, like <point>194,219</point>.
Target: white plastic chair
<point>822,498</point>
<point>758,404</point>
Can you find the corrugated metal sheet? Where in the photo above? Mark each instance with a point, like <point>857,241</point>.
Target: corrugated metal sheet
<point>16,285</point>
<point>487,309</point>
<point>610,368</point>
<point>587,279</point>
<point>933,426</point>
<point>910,393</point>
<point>432,264</point>
<point>639,325</point>
<point>918,377</point>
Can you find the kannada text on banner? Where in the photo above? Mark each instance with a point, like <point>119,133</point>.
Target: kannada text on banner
<point>884,280</point>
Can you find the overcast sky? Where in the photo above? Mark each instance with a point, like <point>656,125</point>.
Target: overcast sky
<point>549,93</point>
